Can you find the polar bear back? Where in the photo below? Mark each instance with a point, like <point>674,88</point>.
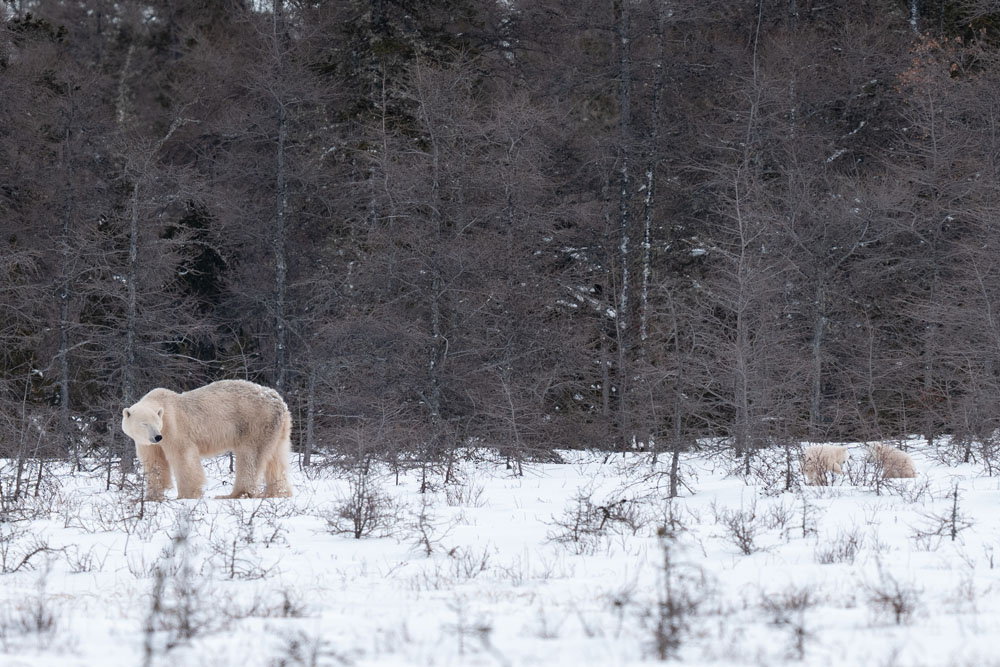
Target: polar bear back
<point>222,416</point>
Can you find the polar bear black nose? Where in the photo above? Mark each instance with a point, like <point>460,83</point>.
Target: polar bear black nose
<point>157,438</point>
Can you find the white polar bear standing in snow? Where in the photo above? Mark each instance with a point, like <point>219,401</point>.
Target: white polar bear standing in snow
<point>894,463</point>
<point>819,460</point>
<point>173,432</point>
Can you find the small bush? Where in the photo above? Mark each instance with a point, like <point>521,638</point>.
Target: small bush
<point>843,548</point>
<point>585,522</point>
<point>426,531</point>
<point>28,490</point>
<point>742,527</point>
<point>366,510</point>
<point>469,564</point>
<point>268,603</point>
<point>779,516</point>
<point>806,523</point>
<point>788,609</point>
<point>301,649</point>
<point>671,522</point>
<point>947,524</point>
<point>889,597</point>
<point>91,560</point>
<point>773,468</point>
<point>180,603</point>
<point>31,617</point>
<point>680,593</point>
<point>117,511</point>
<point>237,558</point>
<point>20,548</point>
<point>465,493</point>
<point>581,526</point>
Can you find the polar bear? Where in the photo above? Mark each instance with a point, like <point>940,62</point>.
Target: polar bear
<point>893,462</point>
<point>818,460</point>
<point>172,432</point>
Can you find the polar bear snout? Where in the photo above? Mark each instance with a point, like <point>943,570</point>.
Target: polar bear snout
<point>153,433</point>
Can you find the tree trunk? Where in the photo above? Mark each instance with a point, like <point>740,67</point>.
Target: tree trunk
<point>280,260</point>
<point>678,398</point>
<point>815,402</point>
<point>436,355</point>
<point>648,201</point>
<point>278,233</point>
<point>675,464</point>
<point>624,219</point>
<point>64,291</point>
<point>741,351</point>
<point>746,274</point>
<point>310,419</point>
<point>131,277</point>
<point>929,394</point>
<point>131,320</point>
<point>438,348</point>
<point>605,376</point>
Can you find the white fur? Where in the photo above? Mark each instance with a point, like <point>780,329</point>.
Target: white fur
<point>819,460</point>
<point>895,463</point>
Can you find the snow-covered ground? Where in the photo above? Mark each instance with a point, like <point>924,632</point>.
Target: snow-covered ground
<point>551,568</point>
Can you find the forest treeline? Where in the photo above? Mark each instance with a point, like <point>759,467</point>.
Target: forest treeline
<point>556,223</point>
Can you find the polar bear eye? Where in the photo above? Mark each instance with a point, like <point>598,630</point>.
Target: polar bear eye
<point>127,413</point>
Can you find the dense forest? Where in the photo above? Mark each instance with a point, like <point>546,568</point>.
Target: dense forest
<point>560,223</point>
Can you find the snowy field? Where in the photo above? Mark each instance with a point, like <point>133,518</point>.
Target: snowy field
<point>582,563</point>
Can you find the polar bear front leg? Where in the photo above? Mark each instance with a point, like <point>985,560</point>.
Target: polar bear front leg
<point>188,472</point>
<point>156,469</point>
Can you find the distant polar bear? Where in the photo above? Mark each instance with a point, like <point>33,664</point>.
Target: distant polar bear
<point>894,463</point>
<point>818,460</point>
<point>172,432</point>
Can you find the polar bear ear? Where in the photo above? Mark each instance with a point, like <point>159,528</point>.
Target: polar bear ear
<point>126,413</point>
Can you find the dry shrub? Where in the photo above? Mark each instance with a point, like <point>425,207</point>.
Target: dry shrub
<point>843,548</point>
<point>682,590</point>
<point>889,597</point>
<point>365,511</point>
<point>585,522</point>
<point>788,609</point>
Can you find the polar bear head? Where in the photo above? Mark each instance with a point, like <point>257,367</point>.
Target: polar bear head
<point>143,423</point>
